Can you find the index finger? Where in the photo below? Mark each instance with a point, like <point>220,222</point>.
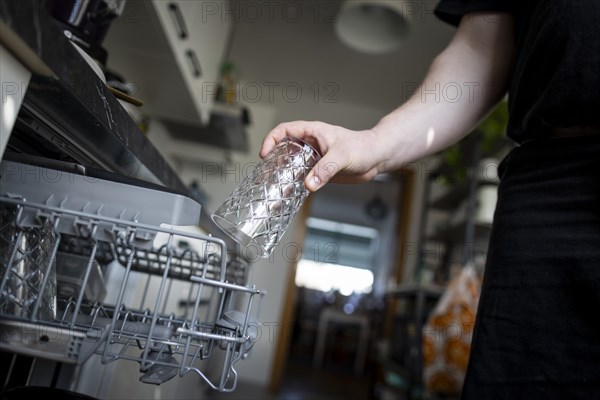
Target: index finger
<point>270,141</point>
<point>296,129</point>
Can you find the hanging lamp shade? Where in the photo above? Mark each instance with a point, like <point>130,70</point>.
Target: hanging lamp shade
<point>373,26</point>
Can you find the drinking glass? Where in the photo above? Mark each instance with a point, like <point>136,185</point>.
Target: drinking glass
<point>260,209</point>
<point>24,264</point>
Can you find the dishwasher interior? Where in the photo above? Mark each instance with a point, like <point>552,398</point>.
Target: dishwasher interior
<point>88,267</point>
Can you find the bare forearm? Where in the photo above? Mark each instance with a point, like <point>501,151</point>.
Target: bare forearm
<point>463,84</point>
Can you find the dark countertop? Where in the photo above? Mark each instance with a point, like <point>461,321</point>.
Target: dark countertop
<point>74,103</point>
<point>70,106</point>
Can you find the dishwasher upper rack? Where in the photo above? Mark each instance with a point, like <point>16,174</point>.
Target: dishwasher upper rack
<point>215,317</point>
<point>183,265</point>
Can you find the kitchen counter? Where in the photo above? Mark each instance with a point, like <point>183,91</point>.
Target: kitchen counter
<point>68,104</point>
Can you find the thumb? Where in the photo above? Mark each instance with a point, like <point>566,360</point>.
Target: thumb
<point>322,172</point>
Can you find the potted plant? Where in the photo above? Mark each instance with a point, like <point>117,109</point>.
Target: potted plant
<point>491,133</point>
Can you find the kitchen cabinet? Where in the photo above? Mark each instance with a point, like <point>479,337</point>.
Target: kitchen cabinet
<point>171,53</point>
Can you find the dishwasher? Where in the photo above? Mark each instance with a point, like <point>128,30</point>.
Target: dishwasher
<point>98,264</point>
<point>174,300</point>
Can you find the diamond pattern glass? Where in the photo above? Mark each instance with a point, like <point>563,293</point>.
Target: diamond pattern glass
<point>25,260</point>
<point>260,209</point>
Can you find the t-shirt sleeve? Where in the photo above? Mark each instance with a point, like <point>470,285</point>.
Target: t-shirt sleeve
<point>451,11</point>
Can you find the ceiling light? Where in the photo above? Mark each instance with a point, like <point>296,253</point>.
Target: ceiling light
<point>373,26</point>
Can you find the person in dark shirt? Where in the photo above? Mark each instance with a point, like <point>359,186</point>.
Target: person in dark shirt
<point>537,332</point>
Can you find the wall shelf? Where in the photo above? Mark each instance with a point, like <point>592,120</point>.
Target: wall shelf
<point>456,233</point>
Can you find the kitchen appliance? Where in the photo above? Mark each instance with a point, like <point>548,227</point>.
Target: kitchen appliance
<point>187,308</point>
<point>106,275</point>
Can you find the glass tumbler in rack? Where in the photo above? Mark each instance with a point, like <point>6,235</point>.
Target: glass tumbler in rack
<point>260,209</point>
<point>27,268</point>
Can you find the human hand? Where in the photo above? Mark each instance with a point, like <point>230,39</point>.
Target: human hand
<point>348,156</point>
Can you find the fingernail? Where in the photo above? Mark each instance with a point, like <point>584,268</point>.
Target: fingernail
<point>314,183</point>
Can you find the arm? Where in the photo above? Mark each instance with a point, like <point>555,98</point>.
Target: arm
<point>477,60</point>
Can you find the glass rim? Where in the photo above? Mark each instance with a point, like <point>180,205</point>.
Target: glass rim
<point>304,142</point>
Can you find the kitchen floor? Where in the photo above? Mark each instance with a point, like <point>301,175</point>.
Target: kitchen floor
<point>303,382</point>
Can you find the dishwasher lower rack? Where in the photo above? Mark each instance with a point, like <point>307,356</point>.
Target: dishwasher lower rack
<point>168,307</point>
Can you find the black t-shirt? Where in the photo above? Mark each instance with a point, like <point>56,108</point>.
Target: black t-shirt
<point>555,79</point>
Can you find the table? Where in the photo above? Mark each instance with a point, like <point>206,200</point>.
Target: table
<point>330,315</point>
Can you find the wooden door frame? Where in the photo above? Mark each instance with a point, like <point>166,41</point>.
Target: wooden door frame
<point>406,177</point>
<point>288,313</point>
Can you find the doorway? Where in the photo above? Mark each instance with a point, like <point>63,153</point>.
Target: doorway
<point>349,255</point>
